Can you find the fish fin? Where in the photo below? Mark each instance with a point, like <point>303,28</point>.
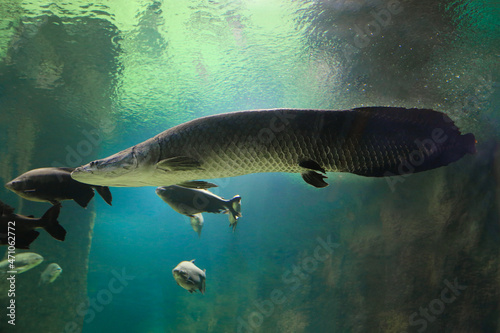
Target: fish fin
<point>51,225</point>
<point>54,202</point>
<point>312,165</point>
<point>190,281</point>
<point>192,260</point>
<point>199,184</point>
<point>203,285</point>
<point>313,178</point>
<point>6,209</point>
<point>178,163</point>
<point>234,211</point>
<point>236,204</point>
<point>469,143</point>
<point>24,240</point>
<point>465,144</point>
<point>83,197</point>
<point>104,192</point>
<point>198,217</point>
<point>233,222</point>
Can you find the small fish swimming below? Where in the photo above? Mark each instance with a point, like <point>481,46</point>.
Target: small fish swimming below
<point>192,202</point>
<point>20,230</point>
<point>50,274</point>
<point>190,277</point>
<point>54,185</point>
<point>22,262</point>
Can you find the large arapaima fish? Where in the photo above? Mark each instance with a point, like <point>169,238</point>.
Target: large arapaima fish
<point>367,141</point>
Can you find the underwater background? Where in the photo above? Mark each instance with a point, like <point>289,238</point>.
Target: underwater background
<point>81,80</point>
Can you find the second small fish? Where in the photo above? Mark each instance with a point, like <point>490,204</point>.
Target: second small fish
<point>192,202</point>
<point>20,229</point>
<point>50,274</point>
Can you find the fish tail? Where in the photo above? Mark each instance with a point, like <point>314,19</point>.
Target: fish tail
<point>234,211</point>
<point>51,225</point>
<point>426,140</point>
<point>468,142</point>
<point>83,196</point>
<point>464,144</point>
<point>23,241</point>
<point>104,192</point>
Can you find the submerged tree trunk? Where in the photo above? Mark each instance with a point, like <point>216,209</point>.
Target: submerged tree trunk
<point>53,109</point>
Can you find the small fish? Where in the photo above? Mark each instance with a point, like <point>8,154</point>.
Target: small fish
<point>21,229</point>
<point>54,185</point>
<point>192,201</point>
<point>197,223</point>
<point>50,274</point>
<point>22,262</point>
<point>190,277</point>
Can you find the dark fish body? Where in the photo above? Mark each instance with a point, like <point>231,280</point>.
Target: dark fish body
<point>369,141</point>
<point>191,202</point>
<point>54,185</point>
<point>23,227</point>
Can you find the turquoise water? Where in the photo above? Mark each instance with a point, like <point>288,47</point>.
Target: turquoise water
<point>81,81</point>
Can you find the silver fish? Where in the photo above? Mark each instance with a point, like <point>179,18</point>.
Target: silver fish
<point>50,273</point>
<point>192,202</point>
<point>22,262</point>
<point>190,277</point>
<point>368,141</point>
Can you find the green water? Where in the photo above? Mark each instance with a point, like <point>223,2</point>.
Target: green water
<point>81,81</point>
